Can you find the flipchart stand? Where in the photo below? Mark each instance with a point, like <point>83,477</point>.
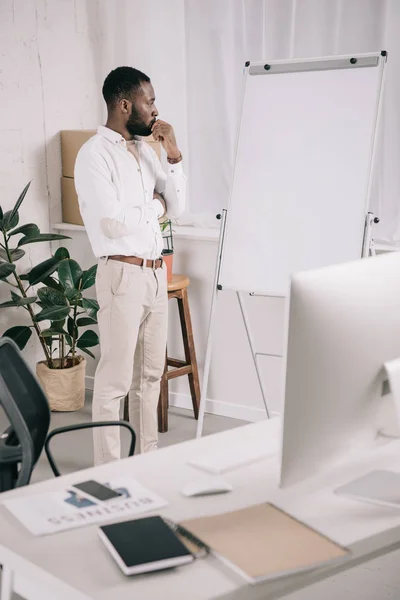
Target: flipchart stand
<point>366,249</point>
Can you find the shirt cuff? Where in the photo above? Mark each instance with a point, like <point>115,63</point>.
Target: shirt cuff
<point>178,168</point>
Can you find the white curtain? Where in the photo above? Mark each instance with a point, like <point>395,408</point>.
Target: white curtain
<point>220,35</point>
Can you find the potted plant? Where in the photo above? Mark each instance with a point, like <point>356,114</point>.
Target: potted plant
<point>168,252</point>
<point>58,303</point>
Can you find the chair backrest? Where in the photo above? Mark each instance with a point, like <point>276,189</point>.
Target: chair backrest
<point>27,409</point>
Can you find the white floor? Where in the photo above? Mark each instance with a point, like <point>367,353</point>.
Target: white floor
<point>377,580</point>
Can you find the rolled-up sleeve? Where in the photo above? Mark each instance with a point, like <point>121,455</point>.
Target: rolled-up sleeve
<point>172,185</point>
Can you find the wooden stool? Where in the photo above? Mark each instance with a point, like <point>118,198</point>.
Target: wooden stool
<point>177,288</point>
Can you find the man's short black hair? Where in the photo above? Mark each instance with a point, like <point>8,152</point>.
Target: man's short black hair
<point>121,83</point>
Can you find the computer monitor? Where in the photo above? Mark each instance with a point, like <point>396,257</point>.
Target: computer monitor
<point>344,324</point>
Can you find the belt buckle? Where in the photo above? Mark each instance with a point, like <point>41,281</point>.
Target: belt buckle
<point>154,261</point>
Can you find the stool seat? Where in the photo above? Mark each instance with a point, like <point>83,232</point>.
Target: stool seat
<point>178,282</point>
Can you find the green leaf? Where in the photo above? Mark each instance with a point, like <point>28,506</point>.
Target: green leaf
<point>20,334</point>
<point>49,333</point>
<point>42,237</point>
<point>50,297</point>
<point>89,277</point>
<point>6,269</point>
<point>17,254</point>
<point>26,301</point>
<point>58,324</point>
<point>164,225</point>
<point>88,352</point>
<point>53,313</point>
<point>43,270</point>
<point>30,229</point>
<point>24,277</point>
<point>1,214</point>
<point>61,253</point>
<point>73,296</point>
<point>54,331</point>
<point>69,274</point>
<point>70,325</point>
<point>18,203</point>
<point>9,220</point>
<point>72,328</point>
<point>20,302</point>
<point>88,339</point>
<point>52,283</point>
<point>85,321</point>
<point>91,307</point>
<point>8,304</point>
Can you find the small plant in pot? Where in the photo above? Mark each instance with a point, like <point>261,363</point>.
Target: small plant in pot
<point>52,294</point>
<point>168,252</point>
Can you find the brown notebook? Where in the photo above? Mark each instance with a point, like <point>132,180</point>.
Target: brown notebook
<point>263,542</point>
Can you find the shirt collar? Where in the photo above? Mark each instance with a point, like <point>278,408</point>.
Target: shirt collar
<point>113,136</point>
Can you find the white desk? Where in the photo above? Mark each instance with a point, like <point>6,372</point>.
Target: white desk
<point>74,565</point>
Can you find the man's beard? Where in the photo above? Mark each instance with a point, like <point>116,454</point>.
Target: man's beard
<point>136,126</point>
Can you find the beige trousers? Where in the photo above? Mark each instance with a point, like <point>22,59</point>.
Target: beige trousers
<point>133,319</point>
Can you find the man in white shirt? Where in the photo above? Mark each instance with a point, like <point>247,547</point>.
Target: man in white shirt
<point>123,191</point>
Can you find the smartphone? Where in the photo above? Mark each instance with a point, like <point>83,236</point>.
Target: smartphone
<point>94,490</point>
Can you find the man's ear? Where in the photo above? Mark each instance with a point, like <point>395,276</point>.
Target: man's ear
<point>125,106</point>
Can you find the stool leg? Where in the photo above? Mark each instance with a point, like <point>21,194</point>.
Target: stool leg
<point>190,353</point>
<point>163,401</point>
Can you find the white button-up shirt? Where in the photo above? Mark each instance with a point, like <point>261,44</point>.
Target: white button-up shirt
<point>115,195</point>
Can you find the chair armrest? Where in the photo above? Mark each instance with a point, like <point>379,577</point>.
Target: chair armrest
<point>85,426</point>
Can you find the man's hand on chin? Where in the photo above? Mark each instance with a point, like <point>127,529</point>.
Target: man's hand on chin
<point>164,133</point>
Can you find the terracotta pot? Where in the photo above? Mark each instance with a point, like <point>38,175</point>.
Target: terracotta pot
<point>168,259</point>
<point>64,388</point>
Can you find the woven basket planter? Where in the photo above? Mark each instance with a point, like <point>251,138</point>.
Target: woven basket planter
<point>64,388</point>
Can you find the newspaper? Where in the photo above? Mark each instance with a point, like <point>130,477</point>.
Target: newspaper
<point>52,512</point>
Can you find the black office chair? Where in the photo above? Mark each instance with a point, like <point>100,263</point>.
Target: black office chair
<point>27,409</point>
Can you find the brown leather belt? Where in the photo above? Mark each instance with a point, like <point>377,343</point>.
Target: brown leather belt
<point>135,260</point>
